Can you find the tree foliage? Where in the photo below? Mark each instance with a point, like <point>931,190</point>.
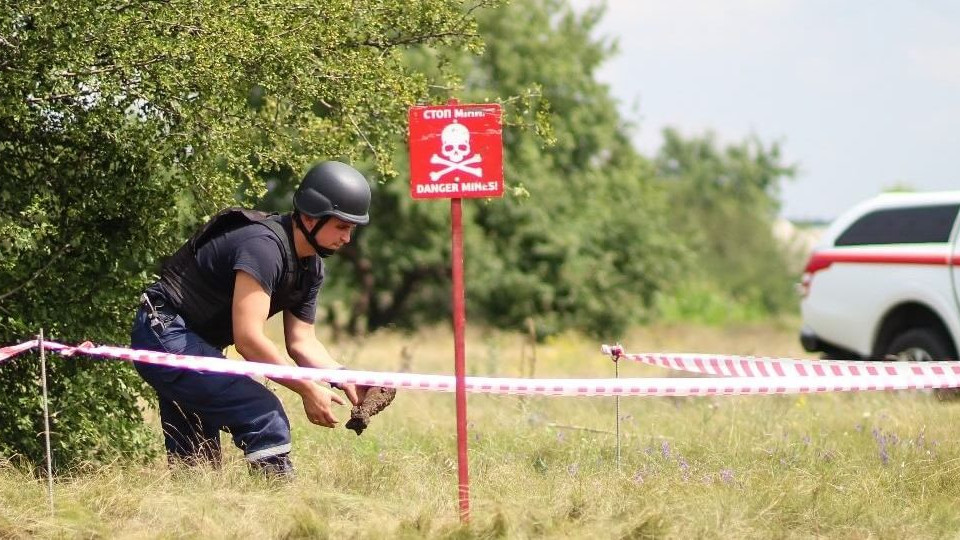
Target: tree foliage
<point>124,122</point>
<point>729,198</point>
<point>590,245</point>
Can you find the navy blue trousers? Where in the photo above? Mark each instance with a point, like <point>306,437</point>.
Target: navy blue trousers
<point>195,406</point>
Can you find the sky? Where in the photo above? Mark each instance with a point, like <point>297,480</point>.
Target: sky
<point>861,95</point>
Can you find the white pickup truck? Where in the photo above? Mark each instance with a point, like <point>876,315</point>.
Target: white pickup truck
<point>884,281</point>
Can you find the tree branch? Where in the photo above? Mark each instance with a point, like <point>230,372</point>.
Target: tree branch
<point>383,45</point>
<point>356,128</point>
<point>110,68</point>
<point>36,274</point>
<point>130,5</point>
<point>292,30</point>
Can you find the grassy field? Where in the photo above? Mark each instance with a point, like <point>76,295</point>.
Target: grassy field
<point>867,465</point>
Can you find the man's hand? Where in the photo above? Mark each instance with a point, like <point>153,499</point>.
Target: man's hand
<point>355,392</point>
<point>316,403</point>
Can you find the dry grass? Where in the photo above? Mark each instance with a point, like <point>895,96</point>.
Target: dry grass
<point>853,465</point>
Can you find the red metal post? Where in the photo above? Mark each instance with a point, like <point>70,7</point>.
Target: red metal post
<point>459,322</point>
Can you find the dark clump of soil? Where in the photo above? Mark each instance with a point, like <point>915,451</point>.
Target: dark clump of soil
<point>376,399</point>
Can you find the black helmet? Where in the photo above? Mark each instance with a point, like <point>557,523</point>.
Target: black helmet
<point>336,189</point>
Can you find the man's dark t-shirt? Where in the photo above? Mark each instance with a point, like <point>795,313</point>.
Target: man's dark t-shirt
<point>254,249</point>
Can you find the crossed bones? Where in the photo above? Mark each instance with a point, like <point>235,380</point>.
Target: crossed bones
<point>452,166</point>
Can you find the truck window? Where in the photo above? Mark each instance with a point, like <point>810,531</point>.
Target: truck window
<point>917,225</point>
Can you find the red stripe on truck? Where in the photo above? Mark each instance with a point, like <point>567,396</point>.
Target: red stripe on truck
<point>822,260</point>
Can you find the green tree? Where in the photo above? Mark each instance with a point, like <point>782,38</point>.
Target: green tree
<point>125,122</point>
<point>590,245</point>
<point>729,198</point>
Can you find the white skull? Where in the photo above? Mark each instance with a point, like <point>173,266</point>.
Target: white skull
<point>456,142</point>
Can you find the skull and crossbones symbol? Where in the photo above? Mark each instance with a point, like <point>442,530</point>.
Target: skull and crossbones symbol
<point>455,148</point>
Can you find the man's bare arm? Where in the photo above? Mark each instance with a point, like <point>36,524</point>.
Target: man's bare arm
<point>307,351</point>
<point>303,345</point>
<point>251,306</point>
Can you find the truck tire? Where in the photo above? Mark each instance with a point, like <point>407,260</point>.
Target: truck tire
<point>924,345</point>
<point>839,354</point>
<point>919,344</point>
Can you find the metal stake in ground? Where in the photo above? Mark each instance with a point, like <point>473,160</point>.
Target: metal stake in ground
<point>46,417</point>
<point>616,371</point>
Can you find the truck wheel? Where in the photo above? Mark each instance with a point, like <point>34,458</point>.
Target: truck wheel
<point>838,354</point>
<point>920,345</point>
<point>923,345</point>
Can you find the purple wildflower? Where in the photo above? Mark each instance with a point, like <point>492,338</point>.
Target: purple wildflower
<point>726,476</point>
<point>665,449</point>
<point>882,444</point>
<point>637,477</point>
<point>572,469</point>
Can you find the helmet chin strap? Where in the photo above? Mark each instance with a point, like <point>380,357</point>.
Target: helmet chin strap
<point>311,235</point>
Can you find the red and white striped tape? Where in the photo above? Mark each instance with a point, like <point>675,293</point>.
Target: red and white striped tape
<point>722,385</point>
<point>749,366</point>
<point>13,350</point>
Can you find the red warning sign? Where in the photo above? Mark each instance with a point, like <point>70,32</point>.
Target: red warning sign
<point>456,151</point>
